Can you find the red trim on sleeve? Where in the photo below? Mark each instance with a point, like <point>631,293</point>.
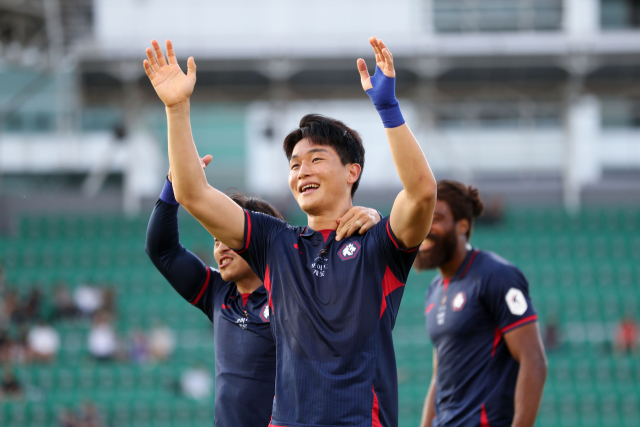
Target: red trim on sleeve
<point>248,236</point>
<point>469,265</point>
<point>389,284</point>
<point>484,420</point>
<point>375,411</point>
<point>267,286</point>
<point>204,287</point>
<point>496,340</point>
<point>429,308</point>
<point>520,322</point>
<point>396,243</point>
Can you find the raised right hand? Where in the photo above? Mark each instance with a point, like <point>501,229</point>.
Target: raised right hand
<point>172,85</point>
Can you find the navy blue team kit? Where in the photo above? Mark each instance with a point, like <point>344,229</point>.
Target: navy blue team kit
<point>331,325</point>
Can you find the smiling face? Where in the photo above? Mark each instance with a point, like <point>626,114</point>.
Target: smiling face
<point>318,179</point>
<point>443,239</point>
<point>231,265</point>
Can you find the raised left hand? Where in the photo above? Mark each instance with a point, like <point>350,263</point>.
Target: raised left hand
<point>358,219</point>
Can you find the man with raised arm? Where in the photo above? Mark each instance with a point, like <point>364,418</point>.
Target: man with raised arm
<point>333,301</point>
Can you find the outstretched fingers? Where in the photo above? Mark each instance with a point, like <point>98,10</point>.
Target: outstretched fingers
<point>191,68</point>
<point>365,79</point>
<point>158,51</point>
<point>147,69</point>
<point>171,55</point>
<point>151,59</point>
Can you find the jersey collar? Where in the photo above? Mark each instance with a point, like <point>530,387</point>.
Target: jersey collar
<point>326,234</point>
<point>261,290</point>
<point>464,268</point>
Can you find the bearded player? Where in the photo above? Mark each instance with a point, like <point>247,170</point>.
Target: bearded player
<point>489,366</point>
<point>333,301</point>
<point>235,301</point>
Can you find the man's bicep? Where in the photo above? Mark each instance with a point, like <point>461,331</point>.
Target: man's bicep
<point>397,259</point>
<point>220,215</point>
<point>411,220</point>
<point>524,340</point>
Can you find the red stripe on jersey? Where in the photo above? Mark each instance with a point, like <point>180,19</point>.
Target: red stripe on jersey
<point>267,286</point>
<point>484,421</point>
<point>469,265</point>
<point>445,283</point>
<point>389,284</point>
<point>496,340</point>
<point>396,243</point>
<point>204,287</point>
<point>248,233</point>
<point>325,234</point>
<point>430,308</point>
<point>519,322</point>
<point>245,298</point>
<point>375,411</point>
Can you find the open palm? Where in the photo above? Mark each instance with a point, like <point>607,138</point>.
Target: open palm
<point>172,85</point>
<point>384,61</point>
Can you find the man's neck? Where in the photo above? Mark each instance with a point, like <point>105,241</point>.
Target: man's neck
<point>328,220</point>
<point>452,266</point>
<point>248,285</point>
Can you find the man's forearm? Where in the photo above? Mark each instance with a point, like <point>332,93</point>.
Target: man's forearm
<point>188,178</point>
<point>529,389</point>
<point>429,409</point>
<point>412,166</point>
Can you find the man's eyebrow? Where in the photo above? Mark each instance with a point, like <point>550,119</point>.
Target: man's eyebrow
<point>313,150</point>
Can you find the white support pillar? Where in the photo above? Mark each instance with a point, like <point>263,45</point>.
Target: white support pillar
<point>581,17</point>
<point>582,163</point>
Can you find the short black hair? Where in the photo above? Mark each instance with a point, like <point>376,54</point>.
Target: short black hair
<point>322,130</point>
<point>463,200</point>
<point>254,204</point>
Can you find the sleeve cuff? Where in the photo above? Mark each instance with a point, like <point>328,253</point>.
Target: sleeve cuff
<point>167,195</point>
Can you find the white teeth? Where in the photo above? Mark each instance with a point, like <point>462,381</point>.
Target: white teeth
<point>306,187</point>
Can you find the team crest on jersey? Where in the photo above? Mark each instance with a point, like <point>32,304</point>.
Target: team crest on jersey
<point>349,250</point>
<point>516,302</point>
<point>458,302</point>
<point>264,313</point>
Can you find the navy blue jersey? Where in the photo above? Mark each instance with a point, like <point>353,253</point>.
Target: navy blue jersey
<point>467,317</point>
<point>245,353</point>
<point>333,306</point>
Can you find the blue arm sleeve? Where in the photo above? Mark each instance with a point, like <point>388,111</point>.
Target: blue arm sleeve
<point>188,275</point>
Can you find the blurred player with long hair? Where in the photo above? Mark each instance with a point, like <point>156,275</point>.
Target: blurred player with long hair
<point>489,365</point>
<point>235,301</point>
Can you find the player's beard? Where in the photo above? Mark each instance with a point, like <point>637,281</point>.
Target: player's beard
<point>443,249</point>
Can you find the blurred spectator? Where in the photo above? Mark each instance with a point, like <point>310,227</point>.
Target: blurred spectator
<point>162,342</point>
<point>89,416</point>
<point>67,418</point>
<point>88,299</point>
<point>11,307</point>
<point>63,306</point>
<point>18,352</point>
<point>102,341</point>
<point>139,348</point>
<point>32,309</point>
<point>196,383</point>
<point>9,386</point>
<point>109,301</point>
<point>627,334</point>
<point>551,335</point>
<point>43,342</point>
<point>5,346</point>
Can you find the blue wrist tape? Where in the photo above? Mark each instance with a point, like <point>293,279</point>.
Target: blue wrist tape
<point>383,95</point>
<point>167,195</point>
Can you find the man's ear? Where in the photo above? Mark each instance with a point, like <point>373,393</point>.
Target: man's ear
<point>462,227</point>
<point>354,172</point>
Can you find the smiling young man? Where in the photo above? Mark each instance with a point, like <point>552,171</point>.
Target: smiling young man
<point>333,300</point>
<point>235,301</point>
<point>489,366</point>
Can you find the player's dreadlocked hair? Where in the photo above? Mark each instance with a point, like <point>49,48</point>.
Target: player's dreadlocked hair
<point>254,204</point>
<point>464,201</point>
<point>322,130</point>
